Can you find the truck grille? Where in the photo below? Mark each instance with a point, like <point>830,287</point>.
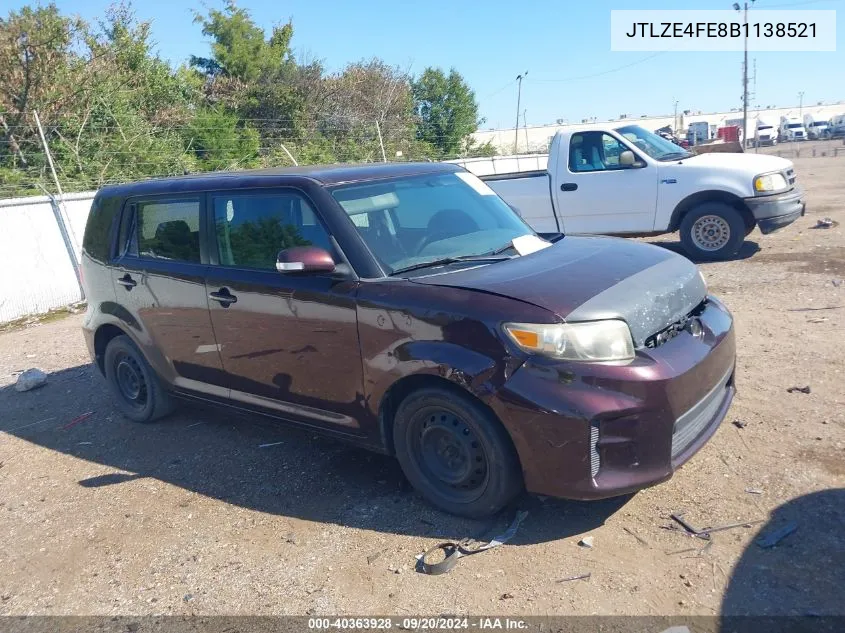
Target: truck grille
<point>790,176</point>
<point>692,423</point>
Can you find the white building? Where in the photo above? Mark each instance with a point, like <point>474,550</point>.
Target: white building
<point>536,138</point>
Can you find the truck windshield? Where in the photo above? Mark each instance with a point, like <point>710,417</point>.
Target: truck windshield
<point>819,124</point>
<point>795,126</point>
<point>410,221</point>
<point>655,146</point>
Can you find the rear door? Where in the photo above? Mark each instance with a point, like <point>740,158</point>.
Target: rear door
<point>288,342</point>
<point>159,280</point>
<point>597,195</point>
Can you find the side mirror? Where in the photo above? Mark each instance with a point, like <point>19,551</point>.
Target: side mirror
<point>304,259</point>
<point>628,159</point>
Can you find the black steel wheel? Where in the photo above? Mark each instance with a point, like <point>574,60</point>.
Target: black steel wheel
<point>455,452</point>
<point>137,390</point>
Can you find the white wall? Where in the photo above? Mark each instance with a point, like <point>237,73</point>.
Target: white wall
<point>37,274</point>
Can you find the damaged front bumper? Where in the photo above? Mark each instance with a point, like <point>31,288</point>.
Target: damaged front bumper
<point>777,211</point>
<point>596,430</point>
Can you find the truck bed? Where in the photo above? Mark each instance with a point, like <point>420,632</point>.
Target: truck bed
<point>530,194</point>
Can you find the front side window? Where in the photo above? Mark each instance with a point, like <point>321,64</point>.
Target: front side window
<point>167,229</point>
<point>417,219</point>
<point>252,229</point>
<point>594,151</point>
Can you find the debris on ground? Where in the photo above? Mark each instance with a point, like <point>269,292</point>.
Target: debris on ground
<point>373,557</point>
<point>506,596</point>
<point>270,444</point>
<point>739,424</point>
<point>579,577</point>
<point>640,540</point>
<point>78,419</point>
<point>825,223</point>
<point>452,551</point>
<point>31,379</point>
<point>754,491</point>
<point>587,541</point>
<point>704,533</point>
<point>773,537</point>
<point>805,389</point>
<point>817,320</point>
<point>837,282</point>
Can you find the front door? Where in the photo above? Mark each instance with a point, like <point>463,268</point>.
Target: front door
<point>289,342</point>
<point>159,276</point>
<point>597,195</point>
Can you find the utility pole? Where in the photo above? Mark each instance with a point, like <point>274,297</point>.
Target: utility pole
<point>801,106</point>
<point>675,120</point>
<point>744,74</point>
<point>518,98</point>
<point>525,127</point>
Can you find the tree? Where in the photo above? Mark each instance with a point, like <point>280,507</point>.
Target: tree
<point>447,110</point>
<point>239,49</point>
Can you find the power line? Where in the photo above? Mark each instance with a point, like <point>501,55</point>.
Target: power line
<point>599,74</point>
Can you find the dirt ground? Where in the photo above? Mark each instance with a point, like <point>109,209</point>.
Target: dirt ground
<point>196,515</point>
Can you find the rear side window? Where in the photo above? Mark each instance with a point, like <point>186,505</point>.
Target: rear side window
<point>166,229</point>
<point>252,229</point>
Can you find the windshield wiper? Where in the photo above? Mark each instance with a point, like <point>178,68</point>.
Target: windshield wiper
<point>489,257</point>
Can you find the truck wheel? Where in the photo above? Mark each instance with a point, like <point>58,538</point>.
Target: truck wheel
<point>712,231</point>
<point>455,453</point>
<point>138,391</point>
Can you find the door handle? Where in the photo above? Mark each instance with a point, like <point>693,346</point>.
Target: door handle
<point>127,282</point>
<point>569,186</point>
<point>223,297</point>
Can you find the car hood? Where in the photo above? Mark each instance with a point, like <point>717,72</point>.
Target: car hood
<point>590,278</point>
<point>751,164</point>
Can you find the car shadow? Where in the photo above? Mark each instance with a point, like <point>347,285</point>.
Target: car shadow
<point>803,574</point>
<point>258,463</point>
<point>748,249</point>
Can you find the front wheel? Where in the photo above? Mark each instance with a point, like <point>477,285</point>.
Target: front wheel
<point>455,453</point>
<point>712,231</point>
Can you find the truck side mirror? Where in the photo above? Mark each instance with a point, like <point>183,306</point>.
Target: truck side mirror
<point>628,159</point>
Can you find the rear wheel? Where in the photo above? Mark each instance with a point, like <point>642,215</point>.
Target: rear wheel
<point>138,391</point>
<point>456,453</point>
<point>713,231</point>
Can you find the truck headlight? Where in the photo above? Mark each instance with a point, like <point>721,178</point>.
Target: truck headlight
<point>769,182</point>
<point>590,341</point>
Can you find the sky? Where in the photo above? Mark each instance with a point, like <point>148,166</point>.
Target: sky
<point>563,45</point>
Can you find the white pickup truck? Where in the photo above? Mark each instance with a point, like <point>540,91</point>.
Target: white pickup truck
<point>628,181</point>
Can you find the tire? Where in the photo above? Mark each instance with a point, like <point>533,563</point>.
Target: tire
<point>712,231</point>
<point>135,386</point>
<point>456,453</point>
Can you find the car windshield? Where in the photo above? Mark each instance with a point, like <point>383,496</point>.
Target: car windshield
<point>655,146</point>
<point>413,220</point>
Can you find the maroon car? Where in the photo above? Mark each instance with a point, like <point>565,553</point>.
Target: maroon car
<point>408,309</point>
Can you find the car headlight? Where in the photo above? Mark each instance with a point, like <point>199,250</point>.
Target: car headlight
<point>769,182</point>
<point>588,341</point>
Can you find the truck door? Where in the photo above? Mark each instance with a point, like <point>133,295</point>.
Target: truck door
<point>598,195</point>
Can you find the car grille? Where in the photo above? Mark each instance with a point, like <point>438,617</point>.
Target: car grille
<point>673,329</point>
<point>692,423</point>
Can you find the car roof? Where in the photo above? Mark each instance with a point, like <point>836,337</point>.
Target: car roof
<point>327,175</point>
